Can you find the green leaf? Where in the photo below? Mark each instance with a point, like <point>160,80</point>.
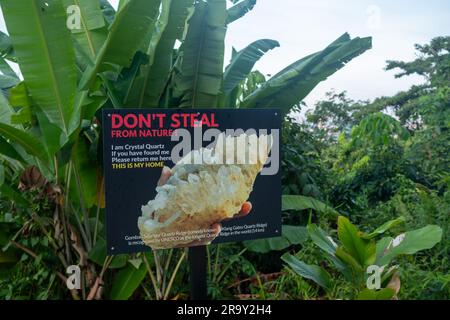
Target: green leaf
<point>410,243</point>
<point>108,11</point>
<point>147,88</point>
<point>31,145</point>
<point>19,96</point>
<point>349,260</point>
<point>127,281</point>
<point>52,136</point>
<point>8,150</point>
<point>312,272</point>
<point>200,66</point>
<point>6,48</point>
<point>326,243</point>
<point>12,194</point>
<point>7,82</point>
<point>43,47</point>
<point>291,235</point>
<point>93,104</point>
<point>321,239</point>
<point>292,84</point>
<point>2,174</point>
<point>239,10</point>
<point>6,111</point>
<point>383,294</point>
<point>246,87</point>
<point>133,21</point>
<point>294,234</point>
<point>23,117</point>
<point>242,63</point>
<point>383,228</point>
<point>85,173</point>
<point>381,247</point>
<point>6,69</point>
<point>380,129</point>
<point>291,202</point>
<point>363,251</point>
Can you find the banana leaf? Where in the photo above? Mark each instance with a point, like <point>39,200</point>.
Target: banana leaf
<point>291,85</point>
<point>125,36</point>
<point>146,89</point>
<point>92,32</point>
<point>239,10</point>
<point>243,62</point>
<point>43,47</point>
<point>200,68</point>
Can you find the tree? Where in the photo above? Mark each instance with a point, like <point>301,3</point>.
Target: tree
<point>425,109</point>
<point>336,114</point>
<point>426,104</point>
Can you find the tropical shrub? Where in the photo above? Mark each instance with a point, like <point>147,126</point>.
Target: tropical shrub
<point>420,206</point>
<point>358,255</point>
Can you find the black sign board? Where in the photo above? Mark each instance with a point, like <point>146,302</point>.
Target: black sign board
<point>171,179</point>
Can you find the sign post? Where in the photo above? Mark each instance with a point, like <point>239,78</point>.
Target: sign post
<point>190,177</point>
<point>198,273</point>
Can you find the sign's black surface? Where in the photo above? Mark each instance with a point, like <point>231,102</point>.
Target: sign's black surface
<point>138,143</point>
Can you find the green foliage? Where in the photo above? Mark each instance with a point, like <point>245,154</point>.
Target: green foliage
<point>127,280</point>
<point>145,86</point>
<point>239,10</point>
<point>354,247</point>
<point>200,66</point>
<point>93,31</point>
<point>135,18</point>
<point>299,203</point>
<point>420,207</point>
<point>47,59</point>
<point>26,141</point>
<point>355,253</point>
<point>243,62</point>
<point>383,228</point>
<point>303,170</point>
<point>314,273</point>
<point>383,168</point>
<point>335,115</point>
<point>378,129</point>
<point>410,243</point>
<point>370,161</point>
<point>293,83</point>
<point>290,235</point>
<point>383,294</point>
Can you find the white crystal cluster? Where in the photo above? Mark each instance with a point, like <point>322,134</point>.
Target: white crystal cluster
<point>206,186</point>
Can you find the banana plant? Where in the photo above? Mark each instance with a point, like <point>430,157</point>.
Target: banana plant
<point>357,257</point>
<point>79,56</point>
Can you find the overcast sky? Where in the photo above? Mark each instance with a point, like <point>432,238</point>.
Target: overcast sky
<point>305,26</point>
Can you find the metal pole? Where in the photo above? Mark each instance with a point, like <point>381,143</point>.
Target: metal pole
<point>197,273</point>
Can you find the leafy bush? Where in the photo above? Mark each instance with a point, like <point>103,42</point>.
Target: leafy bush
<point>358,252</point>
